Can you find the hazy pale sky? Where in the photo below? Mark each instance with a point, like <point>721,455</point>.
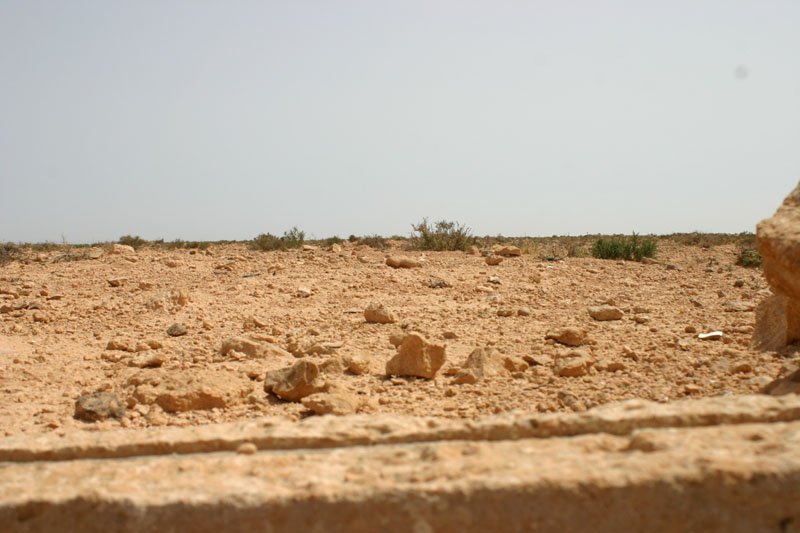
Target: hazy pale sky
<point>222,120</point>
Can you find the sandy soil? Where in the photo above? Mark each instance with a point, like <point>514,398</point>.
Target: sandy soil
<point>57,319</point>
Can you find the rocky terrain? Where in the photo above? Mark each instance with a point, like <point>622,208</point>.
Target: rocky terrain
<point>187,337</point>
<point>357,389</point>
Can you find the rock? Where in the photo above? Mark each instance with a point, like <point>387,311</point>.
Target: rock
<point>482,362</point>
<point>303,292</point>
<point>186,390</point>
<point>251,348</point>
<point>335,248</point>
<point>95,253</point>
<point>605,312</point>
<point>416,357</point>
<point>177,330</point>
<point>473,250</point>
<point>397,338</point>
<point>295,382</point>
<point>505,311</point>
<point>738,307</point>
<point>570,335</point>
<point>524,311</point>
<point>493,260</point>
<point>576,363</point>
<point>609,366</point>
<point>358,364</point>
<point>149,360</point>
<point>121,344</point>
<point>121,249</point>
<point>332,403</point>
<point>117,282</point>
<point>649,261</point>
<point>506,250</point>
<point>788,385</point>
<point>376,313</point>
<point>401,261</point>
<point>40,316</point>
<point>777,323</point>
<point>711,336</point>
<point>246,448</point>
<point>778,241</point>
<point>98,406</point>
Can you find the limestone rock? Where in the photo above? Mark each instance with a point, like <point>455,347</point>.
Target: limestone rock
<point>376,313</point>
<point>506,250</point>
<point>332,403</point>
<point>121,249</point>
<point>777,323</point>
<point>778,240</point>
<point>295,382</point>
<point>788,385</point>
<point>605,312</point>
<point>95,253</point>
<point>183,390</point>
<point>121,344</point>
<point>485,362</point>
<point>358,364</point>
<point>177,330</point>
<point>570,335</point>
<point>738,307</point>
<point>401,261</point>
<point>576,363</point>
<point>251,348</point>
<point>416,357</point>
<point>493,260</point>
<point>148,360</point>
<point>98,406</point>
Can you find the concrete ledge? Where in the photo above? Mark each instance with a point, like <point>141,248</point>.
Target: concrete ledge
<point>328,432</point>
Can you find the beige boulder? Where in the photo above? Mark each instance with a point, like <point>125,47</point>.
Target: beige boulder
<point>493,260</point>
<point>574,364</point>
<point>485,362</point>
<point>121,249</point>
<point>778,240</point>
<point>295,382</point>
<point>416,357</point>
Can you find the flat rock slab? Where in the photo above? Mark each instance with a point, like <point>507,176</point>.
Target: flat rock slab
<point>277,433</point>
<point>722,478</point>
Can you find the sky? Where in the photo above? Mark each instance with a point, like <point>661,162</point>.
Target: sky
<point>212,120</point>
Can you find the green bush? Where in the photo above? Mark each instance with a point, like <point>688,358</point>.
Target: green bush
<point>8,252</point>
<point>333,240</point>
<point>749,258</point>
<point>374,241</point>
<point>630,249</point>
<point>135,242</point>
<point>442,236</point>
<point>294,238</point>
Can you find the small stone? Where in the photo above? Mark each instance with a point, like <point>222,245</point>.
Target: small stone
<point>505,311</point>
<point>740,368</point>
<point>149,360</point>
<point>788,385</point>
<point>416,357</point>
<point>121,249</point>
<point>120,344</point>
<point>117,282</point>
<point>690,329</point>
<point>738,283</point>
<point>401,261</point>
<point>39,316</point>
<point>711,336</point>
<point>691,388</point>
<point>493,260</point>
<point>303,292</point>
<point>473,250</point>
<point>177,330</point>
<point>376,313</point>
<point>358,364</point>
<point>246,448</point>
<point>397,338</point>
<point>641,319</point>
<point>295,382</point>
<point>449,335</point>
<point>524,311</point>
<point>506,250</point>
<point>574,364</point>
<point>96,253</point>
<point>98,406</point>
<point>252,348</point>
<point>332,403</point>
<point>605,312</point>
<point>570,336</point>
<point>738,307</point>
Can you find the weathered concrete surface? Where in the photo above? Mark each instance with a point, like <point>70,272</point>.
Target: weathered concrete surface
<point>620,418</point>
<point>721,478</point>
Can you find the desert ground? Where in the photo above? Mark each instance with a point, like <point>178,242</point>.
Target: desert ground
<point>73,328</point>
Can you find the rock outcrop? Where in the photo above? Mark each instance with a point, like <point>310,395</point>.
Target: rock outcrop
<point>778,240</point>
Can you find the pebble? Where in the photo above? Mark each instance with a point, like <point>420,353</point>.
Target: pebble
<point>246,448</point>
<point>177,330</point>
